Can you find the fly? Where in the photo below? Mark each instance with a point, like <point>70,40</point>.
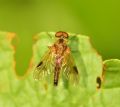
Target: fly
<point>58,59</point>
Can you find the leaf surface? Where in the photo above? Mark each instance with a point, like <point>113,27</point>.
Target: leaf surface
<point>27,92</point>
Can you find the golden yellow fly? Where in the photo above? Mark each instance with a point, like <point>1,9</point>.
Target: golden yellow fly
<point>58,59</point>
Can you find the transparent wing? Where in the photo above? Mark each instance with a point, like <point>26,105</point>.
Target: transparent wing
<point>45,66</point>
<point>70,70</point>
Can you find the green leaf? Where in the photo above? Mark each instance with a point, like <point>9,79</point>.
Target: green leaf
<point>109,94</point>
<point>111,73</point>
<point>26,92</point>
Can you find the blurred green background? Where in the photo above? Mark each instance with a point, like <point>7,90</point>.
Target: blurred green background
<point>100,19</point>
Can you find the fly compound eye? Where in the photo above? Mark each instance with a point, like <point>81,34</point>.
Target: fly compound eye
<point>65,35</point>
<point>61,34</point>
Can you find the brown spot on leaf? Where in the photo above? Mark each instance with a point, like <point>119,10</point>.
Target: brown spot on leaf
<point>98,80</point>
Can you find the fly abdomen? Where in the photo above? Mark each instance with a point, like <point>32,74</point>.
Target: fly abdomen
<point>56,75</point>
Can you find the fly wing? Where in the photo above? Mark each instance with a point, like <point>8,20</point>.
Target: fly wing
<point>45,66</point>
<point>70,70</point>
